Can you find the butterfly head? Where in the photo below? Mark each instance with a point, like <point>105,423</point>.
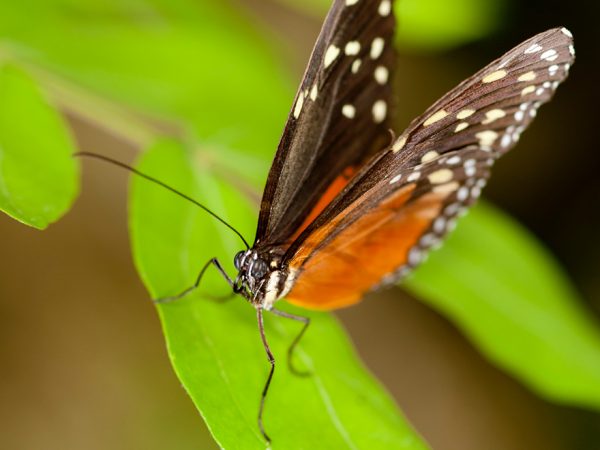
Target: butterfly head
<point>252,273</point>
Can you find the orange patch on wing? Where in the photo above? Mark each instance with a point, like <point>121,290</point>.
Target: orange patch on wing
<point>334,189</point>
<point>375,245</point>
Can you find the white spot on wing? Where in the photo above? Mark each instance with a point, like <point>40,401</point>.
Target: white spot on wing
<point>492,115</point>
<point>356,65</point>
<point>385,8</point>
<point>381,74</point>
<point>533,48</point>
<point>395,179</point>
<point>462,194</point>
<point>349,111</point>
<point>504,63</point>
<point>435,117</point>
<point>461,126</point>
<point>527,76</point>
<point>439,225</point>
<point>452,209</point>
<point>486,138</point>
<point>441,176</point>
<point>549,55</point>
<point>465,113</point>
<point>414,176</point>
<point>377,47</point>
<point>427,240</point>
<point>379,111</point>
<point>446,188</point>
<point>399,144</point>
<point>299,105</point>
<point>494,76</point>
<point>415,256</point>
<point>528,90</point>
<point>330,55</point>
<point>352,48</point>
<point>429,156</point>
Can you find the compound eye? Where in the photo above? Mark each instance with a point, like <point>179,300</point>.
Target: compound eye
<point>238,259</point>
<point>259,269</point>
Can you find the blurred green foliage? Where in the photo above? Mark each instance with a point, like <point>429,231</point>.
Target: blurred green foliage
<point>198,66</point>
<point>430,25</point>
<point>38,177</point>
<point>212,83</point>
<point>508,294</point>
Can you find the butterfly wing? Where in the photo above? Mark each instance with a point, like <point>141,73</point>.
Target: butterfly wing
<point>406,200</point>
<point>338,118</point>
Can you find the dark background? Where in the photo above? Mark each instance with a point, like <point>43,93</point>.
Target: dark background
<point>83,359</point>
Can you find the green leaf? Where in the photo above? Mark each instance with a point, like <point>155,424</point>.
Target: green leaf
<point>198,65</point>
<point>216,349</point>
<point>430,24</point>
<point>38,176</point>
<point>506,292</point>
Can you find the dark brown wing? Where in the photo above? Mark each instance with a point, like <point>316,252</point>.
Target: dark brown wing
<point>338,118</point>
<point>408,198</point>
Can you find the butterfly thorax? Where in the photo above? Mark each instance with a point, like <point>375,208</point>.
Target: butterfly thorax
<point>261,279</point>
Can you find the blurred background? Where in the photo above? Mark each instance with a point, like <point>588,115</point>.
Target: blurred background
<point>83,359</point>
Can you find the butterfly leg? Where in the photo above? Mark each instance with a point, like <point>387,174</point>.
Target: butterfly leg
<point>214,262</point>
<point>294,344</point>
<point>271,359</point>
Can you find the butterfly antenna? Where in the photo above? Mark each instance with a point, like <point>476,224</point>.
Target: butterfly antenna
<point>160,183</point>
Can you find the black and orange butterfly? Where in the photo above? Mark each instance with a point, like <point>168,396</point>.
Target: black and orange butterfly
<point>346,209</point>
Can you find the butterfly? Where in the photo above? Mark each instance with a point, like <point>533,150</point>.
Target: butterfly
<point>349,206</point>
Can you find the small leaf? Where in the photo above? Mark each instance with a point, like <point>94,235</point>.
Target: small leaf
<point>511,298</point>
<point>216,349</point>
<point>38,176</point>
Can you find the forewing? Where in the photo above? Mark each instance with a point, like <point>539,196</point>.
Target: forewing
<point>407,199</point>
<point>339,115</point>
